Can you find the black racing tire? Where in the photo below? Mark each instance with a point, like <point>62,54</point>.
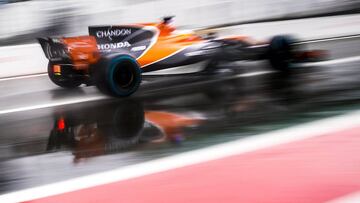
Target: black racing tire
<point>61,81</point>
<point>281,52</point>
<point>118,75</point>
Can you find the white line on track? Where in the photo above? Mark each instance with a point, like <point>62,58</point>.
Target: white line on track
<point>241,146</point>
<point>332,62</point>
<point>330,39</point>
<point>19,46</point>
<point>23,77</point>
<point>52,104</point>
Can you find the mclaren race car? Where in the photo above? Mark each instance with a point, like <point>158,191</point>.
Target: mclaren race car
<point>113,57</point>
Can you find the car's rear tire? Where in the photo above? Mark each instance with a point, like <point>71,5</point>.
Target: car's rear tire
<point>61,81</point>
<point>118,76</point>
<point>281,52</point>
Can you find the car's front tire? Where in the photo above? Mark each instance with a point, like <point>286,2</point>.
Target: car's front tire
<point>281,52</point>
<point>118,76</point>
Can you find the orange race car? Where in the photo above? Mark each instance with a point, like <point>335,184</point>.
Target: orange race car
<point>113,57</point>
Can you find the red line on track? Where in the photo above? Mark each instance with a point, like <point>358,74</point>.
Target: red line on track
<point>314,170</point>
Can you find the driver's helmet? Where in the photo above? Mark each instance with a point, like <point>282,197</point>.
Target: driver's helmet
<point>166,26</point>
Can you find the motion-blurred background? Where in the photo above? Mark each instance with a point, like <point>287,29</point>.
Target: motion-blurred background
<point>49,134</point>
<point>21,21</point>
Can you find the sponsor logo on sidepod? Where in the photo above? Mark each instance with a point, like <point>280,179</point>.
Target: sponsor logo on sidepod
<point>139,48</point>
<point>113,33</point>
<point>113,45</point>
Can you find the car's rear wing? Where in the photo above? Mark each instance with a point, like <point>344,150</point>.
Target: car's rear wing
<point>54,49</point>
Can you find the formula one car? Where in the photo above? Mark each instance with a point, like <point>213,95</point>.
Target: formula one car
<point>114,57</point>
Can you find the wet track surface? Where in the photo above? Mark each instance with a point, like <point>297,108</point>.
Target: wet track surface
<point>170,114</point>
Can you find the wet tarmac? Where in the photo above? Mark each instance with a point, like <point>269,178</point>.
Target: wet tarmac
<point>169,115</point>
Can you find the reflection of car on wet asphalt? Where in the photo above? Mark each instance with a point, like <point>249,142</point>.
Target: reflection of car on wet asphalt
<point>123,125</point>
<point>119,126</point>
